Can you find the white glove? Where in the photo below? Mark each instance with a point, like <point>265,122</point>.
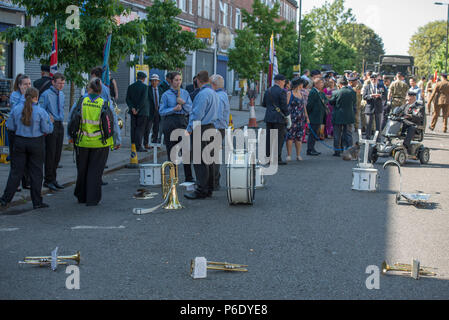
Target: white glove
<point>289,121</point>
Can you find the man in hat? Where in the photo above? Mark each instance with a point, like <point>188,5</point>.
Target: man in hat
<point>154,95</point>
<point>275,101</point>
<point>356,85</point>
<point>441,96</point>
<point>139,109</point>
<point>372,94</point>
<point>316,109</point>
<point>398,91</point>
<point>414,113</point>
<point>44,83</point>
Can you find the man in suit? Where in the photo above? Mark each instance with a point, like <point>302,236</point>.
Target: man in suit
<point>316,109</point>
<point>275,101</point>
<point>373,94</point>
<point>154,96</point>
<point>344,102</point>
<point>139,109</point>
<point>441,96</point>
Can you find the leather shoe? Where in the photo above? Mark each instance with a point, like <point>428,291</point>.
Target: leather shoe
<point>194,196</point>
<point>282,163</point>
<point>3,203</point>
<point>57,185</point>
<point>28,187</point>
<point>313,153</point>
<point>142,150</point>
<point>50,186</point>
<point>41,206</point>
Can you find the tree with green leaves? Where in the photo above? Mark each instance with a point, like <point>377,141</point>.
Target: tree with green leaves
<point>439,58</point>
<point>166,44</point>
<point>367,44</point>
<point>424,45</point>
<point>338,53</point>
<point>243,58</point>
<point>309,60</point>
<point>79,50</point>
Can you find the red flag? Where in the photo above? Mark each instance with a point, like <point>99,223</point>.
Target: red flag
<point>435,77</point>
<point>54,53</point>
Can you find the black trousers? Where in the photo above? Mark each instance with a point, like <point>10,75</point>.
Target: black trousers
<point>152,125</point>
<point>311,140</point>
<point>53,150</point>
<point>28,155</point>
<point>26,178</point>
<point>170,123</point>
<point>138,124</point>
<point>370,118</point>
<point>204,172</point>
<point>90,163</point>
<point>411,130</point>
<point>281,128</point>
<point>217,174</point>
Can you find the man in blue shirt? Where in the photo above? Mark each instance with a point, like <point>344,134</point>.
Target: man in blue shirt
<point>222,122</point>
<point>414,87</point>
<point>52,101</point>
<point>204,110</point>
<point>174,110</point>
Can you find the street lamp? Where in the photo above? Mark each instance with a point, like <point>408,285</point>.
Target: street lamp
<point>299,39</point>
<point>447,28</point>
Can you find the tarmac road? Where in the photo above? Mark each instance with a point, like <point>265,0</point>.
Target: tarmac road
<point>308,236</point>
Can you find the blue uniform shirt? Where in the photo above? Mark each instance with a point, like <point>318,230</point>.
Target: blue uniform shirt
<point>224,109</point>
<point>15,98</point>
<point>52,101</point>
<point>40,122</point>
<point>205,107</point>
<point>168,103</point>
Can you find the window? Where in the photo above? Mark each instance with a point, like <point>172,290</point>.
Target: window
<point>200,8</point>
<point>238,19</point>
<point>230,16</point>
<point>182,4</point>
<point>223,13</point>
<point>206,9</point>
<point>213,10</point>
<point>191,7</point>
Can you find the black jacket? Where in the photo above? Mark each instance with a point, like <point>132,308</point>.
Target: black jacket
<point>137,98</point>
<point>153,111</point>
<point>275,97</point>
<point>42,84</point>
<point>373,105</point>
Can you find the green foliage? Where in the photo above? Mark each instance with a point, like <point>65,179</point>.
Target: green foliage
<point>425,43</point>
<point>242,57</point>
<point>82,49</point>
<point>367,44</point>
<point>338,53</point>
<point>439,59</point>
<point>309,60</point>
<point>166,45</point>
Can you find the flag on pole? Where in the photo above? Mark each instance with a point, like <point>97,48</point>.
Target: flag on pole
<point>54,53</point>
<point>435,77</point>
<point>106,50</point>
<point>273,69</point>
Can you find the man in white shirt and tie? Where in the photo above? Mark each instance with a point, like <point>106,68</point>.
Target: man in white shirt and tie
<point>154,95</point>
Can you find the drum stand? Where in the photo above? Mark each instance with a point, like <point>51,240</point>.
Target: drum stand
<point>150,173</point>
<point>365,177</point>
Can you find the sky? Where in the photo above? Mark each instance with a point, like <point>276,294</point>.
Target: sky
<point>395,21</point>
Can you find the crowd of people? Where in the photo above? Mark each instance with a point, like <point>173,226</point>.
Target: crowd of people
<point>309,108</point>
<point>327,105</point>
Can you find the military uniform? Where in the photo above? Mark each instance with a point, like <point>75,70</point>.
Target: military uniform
<point>359,111</point>
<point>440,97</point>
<point>398,91</point>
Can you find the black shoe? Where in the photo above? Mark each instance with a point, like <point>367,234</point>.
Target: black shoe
<point>3,203</point>
<point>142,150</point>
<point>336,154</point>
<point>190,180</point>
<point>57,185</point>
<point>195,195</point>
<point>50,186</point>
<point>282,162</point>
<point>41,206</point>
<point>313,153</point>
<point>26,187</point>
<point>60,166</point>
<point>104,183</point>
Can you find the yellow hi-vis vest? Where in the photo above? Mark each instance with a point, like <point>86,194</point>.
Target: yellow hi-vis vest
<point>90,132</point>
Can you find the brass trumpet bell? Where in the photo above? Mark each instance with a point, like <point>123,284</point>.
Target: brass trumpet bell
<point>169,183</point>
<point>199,267</point>
<point>47,260</point>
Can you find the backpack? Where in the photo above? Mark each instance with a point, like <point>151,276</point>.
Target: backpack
<point>106,122</point>
<point>74,125</point>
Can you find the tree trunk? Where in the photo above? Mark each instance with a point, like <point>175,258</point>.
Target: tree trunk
<point>241,100</point>
<point>72,94</point>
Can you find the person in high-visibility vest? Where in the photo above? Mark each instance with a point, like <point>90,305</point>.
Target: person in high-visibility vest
<point>91,152</point>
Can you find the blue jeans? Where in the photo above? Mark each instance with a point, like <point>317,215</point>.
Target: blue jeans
<point>342,137</point>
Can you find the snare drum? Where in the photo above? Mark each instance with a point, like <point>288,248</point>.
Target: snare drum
<point>150,174</point>
<point>240,178</point>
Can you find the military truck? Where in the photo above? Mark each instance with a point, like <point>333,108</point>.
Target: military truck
<point>390,65</point>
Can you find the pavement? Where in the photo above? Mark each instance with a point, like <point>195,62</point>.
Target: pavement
<point>307,236</point>
<point>119,158</point>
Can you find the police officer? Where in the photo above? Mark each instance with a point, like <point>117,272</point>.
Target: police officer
<point>52,101</point>
<point>30,123</point>
<point>414,112</point>
<point>91,152</point>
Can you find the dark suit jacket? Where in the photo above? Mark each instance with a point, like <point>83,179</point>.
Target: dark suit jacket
<point>373,105</point>
<point>275,97</point>
<point>137,97</point>
<point>153,111</point>
<point>344,102</point>
<point>316,106</point>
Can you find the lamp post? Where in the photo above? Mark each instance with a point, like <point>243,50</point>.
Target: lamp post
<point>447,29</point>
<point>299,39</point>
